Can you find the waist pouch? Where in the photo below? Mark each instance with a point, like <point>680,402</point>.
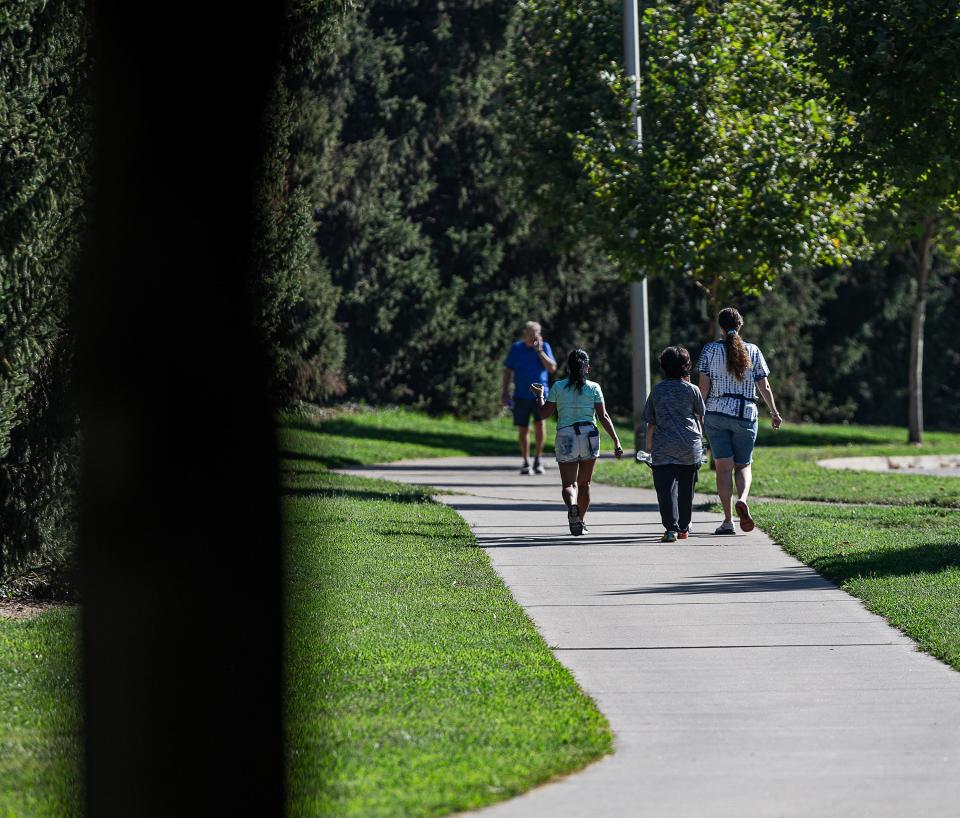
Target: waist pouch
<point>744,400</point>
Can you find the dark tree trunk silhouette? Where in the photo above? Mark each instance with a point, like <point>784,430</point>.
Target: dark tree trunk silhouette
<point>180,535</point>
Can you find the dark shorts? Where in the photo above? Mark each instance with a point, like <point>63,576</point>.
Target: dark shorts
<point>522,409</point>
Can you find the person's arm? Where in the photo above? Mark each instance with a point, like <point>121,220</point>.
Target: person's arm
<point>648,443</point>
<point>505,386</point>
<point>545,357</point>
<point>766,392</point>
<point>545,407</point>
<point>704,385</point>
<point>607,424</point>
<point>699,409</point>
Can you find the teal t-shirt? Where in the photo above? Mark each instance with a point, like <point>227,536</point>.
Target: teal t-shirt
<point>573,406</point>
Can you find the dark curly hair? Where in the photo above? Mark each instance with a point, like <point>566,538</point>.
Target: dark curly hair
<point>675,362</point>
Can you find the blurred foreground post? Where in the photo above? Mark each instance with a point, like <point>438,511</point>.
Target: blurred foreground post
<point>180,534</point>
<point>639,316</point>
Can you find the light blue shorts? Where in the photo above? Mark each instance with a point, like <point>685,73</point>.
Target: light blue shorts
<point>731,437</point>
<point>572,447</point>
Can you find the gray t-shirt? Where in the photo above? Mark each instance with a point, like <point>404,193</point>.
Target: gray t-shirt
<point>673,405</point>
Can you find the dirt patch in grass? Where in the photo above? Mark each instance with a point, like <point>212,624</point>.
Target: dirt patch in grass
<point>26,608</point>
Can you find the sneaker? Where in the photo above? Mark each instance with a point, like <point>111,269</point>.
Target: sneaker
<point>525,469</point>
<point>538,467</point>
<point>683,535</point>
<point>726,527</point>
<point>583,528</point>
<point>669,536</point>
<point>746,521</point>
<point>573,519</point>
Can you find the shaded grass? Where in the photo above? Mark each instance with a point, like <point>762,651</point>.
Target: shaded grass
<point>381,436</point>
<point>39,717</point>
<point>904,563</point>
<point>785,467</point>
<point>416,685</point>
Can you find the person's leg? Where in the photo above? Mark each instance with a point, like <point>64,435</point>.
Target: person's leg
<point>743,442</point>
<point>524,432</point>
<point>718,429</point>
<point>686,480</point>
<point>584,476</point>
<point>539,433</point>
<point>725,487</point>
<point>665,482</point>
<point>743,476</point>
<point>568,479</point>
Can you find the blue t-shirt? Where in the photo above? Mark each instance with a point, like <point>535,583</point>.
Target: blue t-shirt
<point>527,369</point>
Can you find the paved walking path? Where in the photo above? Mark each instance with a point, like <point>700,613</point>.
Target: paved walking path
<point>738,682</point>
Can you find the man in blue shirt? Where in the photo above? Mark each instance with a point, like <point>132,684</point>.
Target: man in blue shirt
<point>529,361</point>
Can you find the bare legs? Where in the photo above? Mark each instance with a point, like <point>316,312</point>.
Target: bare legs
<point>744,477</point>
<point>539,433</point>
<point>576,478</point>
<point>584,476</point>
<point>729,474</point>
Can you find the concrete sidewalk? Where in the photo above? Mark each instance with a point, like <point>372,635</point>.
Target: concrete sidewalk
<point>738,681</point>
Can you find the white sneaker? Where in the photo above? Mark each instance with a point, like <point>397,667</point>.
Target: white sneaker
<point>525,469</point>
<point>538,467</point>
<point>726,528</point>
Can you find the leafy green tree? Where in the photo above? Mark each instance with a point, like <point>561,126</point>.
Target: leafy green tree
<point>44,139</point>
<point>893,64</point>
<point>729,189</point>
<point>293,290</point>
<point>405,158</point>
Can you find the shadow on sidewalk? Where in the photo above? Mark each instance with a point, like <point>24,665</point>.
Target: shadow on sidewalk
<point>740,582</point>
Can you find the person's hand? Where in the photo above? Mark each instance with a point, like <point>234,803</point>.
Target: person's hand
<point>538,343</point>
<point>505,399</point>
<point>537,389</point>
<point>776,420</point>
<point>618,450</point>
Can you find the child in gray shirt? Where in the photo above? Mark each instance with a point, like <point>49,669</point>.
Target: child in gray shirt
<point>674,416</point>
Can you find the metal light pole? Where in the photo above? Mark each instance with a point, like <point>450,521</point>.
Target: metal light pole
<point>639,317</point>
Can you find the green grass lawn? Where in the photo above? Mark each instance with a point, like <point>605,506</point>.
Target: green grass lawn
<point>903,562</point>
<point>365,437</point>
<point>416,685</point>
<point>39,717</point>
<point>785,466</point>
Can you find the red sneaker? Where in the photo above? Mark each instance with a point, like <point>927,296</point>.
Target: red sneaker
<point>746,521</point>
<point>683,535</point>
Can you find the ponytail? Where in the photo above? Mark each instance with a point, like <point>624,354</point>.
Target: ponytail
<point>738,359</point>
<point>577,363</point>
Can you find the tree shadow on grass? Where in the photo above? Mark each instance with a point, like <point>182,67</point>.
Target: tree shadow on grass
<point>930,558</point>
<point>327,461</point>
<point>481,444</point>
<point>814,437</point>
<point>332,492</point>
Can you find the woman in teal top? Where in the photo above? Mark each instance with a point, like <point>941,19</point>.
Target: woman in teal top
<point>578,403</point>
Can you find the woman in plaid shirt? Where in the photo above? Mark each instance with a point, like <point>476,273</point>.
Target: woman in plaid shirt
<point>731,374</point>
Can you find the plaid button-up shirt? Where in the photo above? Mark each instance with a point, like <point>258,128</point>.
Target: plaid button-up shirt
<point>713,362</point>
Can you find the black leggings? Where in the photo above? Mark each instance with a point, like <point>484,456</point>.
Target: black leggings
<point>675,486</point>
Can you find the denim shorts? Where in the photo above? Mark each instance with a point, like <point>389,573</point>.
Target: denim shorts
<point>731,437</point>
<point>572,447</point>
